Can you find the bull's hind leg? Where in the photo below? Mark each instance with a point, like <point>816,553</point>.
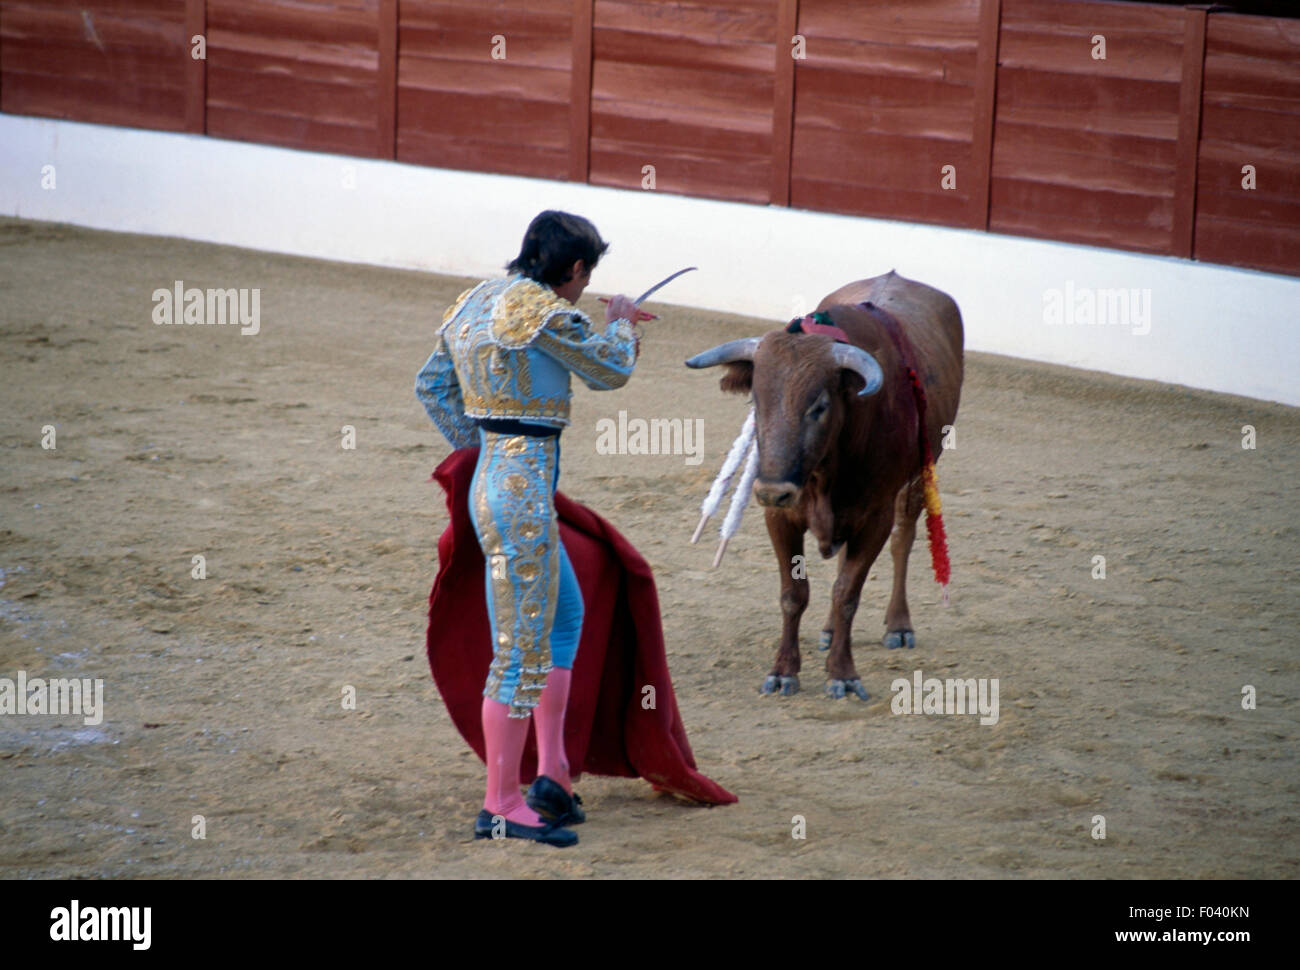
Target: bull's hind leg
<point>898,622</point>
<point>787,542</point>
<point>860,553</point>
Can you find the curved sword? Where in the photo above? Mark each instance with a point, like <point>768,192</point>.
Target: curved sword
<point>661,284</point>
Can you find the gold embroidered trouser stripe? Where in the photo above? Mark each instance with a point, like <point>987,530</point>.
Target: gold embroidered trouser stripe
<point>513,507</point>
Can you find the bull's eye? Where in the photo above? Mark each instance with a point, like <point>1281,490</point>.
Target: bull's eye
<point>819,407</point>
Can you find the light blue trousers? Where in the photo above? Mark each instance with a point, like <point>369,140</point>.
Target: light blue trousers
<point>534,603</point>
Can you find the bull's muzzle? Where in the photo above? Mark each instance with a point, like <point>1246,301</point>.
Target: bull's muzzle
<point>776,495</point>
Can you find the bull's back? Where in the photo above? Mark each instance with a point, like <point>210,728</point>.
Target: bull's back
<point>933,325</point>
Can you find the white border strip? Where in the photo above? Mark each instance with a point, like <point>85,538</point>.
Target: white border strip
<point>1211,327</point>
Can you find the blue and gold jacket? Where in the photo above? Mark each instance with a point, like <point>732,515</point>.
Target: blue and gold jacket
<point>506,349</point>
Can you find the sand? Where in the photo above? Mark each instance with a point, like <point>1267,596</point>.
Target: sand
<point>1119,697</point>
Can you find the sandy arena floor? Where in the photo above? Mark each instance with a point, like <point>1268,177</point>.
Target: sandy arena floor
<point>1119,697</point>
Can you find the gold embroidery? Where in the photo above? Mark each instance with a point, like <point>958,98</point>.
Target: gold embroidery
<point>520,538</point>
<point>607,362</point>
<point>452,310</point>
<point>522,310</point>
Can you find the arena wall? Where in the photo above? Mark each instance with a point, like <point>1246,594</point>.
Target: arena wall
<point>1212,327</point>
<point>1140,126</point>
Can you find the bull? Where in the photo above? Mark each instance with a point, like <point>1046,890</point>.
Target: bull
<point>838,415</point>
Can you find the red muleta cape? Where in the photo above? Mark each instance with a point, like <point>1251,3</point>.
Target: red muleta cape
<point>606,729</point>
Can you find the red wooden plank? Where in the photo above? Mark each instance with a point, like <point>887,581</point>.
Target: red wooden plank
<point>290,58</point>
<point>99,30</point>
<point>580,91</point>
<point>1277,174</point>
<point>787,20</point>
<point>458,152</point>
<point>433,9</point>
<point>58,59</point>
<point>1271,40</point>
<point>339,25</point>
<point>336,104</point>
<point>273,65</point>
<point>1132,54</point>
<point>675,87</point>
<point>950,24</point>
<point>1093,16</point>
<point>527,125</point>
<point>1278,208</point>
<point>940,208</point>
<point>1086,159</point>
<point>1250,128</point>
<point>908,164</point>
<point>1275,249</point>
<point>290,131</point>
<point>852,55</point>
<point>522,17</point>
<point>986,73</point>
<point>196,69</point>
<point>738,180</point>
<point>731,23</point>
<point>524,49</point>
<point>706,133</point>
<point>671,123</point>
<point>1189,134</point>
<point>886,107</point>
<point>386,82</point>
<point>152,9</point>
<point>497,78</point>
<point>84,99</point>
<point>684,51</point>
<point>1097,217</point>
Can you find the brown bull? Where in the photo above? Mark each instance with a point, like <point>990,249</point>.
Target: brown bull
<point>839,448</point>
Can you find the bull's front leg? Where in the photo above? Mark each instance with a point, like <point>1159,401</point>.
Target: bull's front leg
<point>787,542</point>
<point>859,554</point>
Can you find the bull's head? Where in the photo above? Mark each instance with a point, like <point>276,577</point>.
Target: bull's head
<point>802,386</point>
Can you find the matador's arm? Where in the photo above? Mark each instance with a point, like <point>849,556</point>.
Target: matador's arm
<point>602,358</point>
<point>439,390</point>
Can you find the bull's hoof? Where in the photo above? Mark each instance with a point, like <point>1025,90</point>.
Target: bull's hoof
<point>825,642</point>
<point>785,685</point>
<point>842,688</point>
<point>776,683</point>
<point>900,638</point>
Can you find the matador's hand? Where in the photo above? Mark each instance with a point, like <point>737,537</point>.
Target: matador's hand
<point>622,307</point>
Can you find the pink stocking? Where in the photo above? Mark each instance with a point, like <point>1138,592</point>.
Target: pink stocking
<point>505,737</point>
<point>548,718</point>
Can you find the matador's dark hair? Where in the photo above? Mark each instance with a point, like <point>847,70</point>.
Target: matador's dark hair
<point>553,243</point>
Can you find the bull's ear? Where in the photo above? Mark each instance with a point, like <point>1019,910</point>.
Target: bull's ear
<point>738,378</point>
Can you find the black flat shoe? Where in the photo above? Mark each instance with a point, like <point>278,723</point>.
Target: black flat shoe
<point>548,799</point>
<point>550,833</point>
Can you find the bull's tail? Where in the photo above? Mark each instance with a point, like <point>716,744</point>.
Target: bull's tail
<point>934,527</point>
<point>930,484</point>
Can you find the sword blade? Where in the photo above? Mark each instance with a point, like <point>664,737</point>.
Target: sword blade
<point>661,284</point>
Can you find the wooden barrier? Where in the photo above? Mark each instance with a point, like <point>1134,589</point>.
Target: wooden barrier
<point>884,109</point>
<point>95,60</point>
<point>283,73</point>
<point>1135,126</point>
<point>681,97</point>
<point>1250,116</point>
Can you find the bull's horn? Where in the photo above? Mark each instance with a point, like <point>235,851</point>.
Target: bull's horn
<point>860,362</point>
<point>732,350</point>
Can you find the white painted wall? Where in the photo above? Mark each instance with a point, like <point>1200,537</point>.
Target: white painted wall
<point>1211,327</point>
